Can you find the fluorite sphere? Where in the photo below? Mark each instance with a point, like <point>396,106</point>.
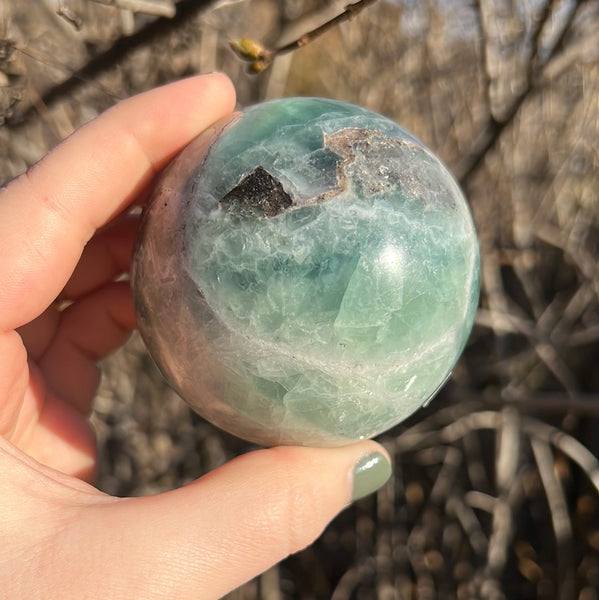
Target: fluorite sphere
<point>306,272</point>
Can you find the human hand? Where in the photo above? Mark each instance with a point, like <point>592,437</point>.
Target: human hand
<point>66,238</point>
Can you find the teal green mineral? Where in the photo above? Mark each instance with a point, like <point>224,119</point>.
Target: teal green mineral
<point>306,272</point>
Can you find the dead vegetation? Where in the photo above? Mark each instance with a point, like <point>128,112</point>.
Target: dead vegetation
<point>496,488</point>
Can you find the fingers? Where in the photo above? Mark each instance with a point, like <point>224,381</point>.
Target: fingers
<point>46,416</point>
<point>89,330</point>
<point>209,537</point>
<point>105,257</point>
<point>49,214</point>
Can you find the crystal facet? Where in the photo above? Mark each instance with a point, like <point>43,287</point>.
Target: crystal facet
<point>306,272</point>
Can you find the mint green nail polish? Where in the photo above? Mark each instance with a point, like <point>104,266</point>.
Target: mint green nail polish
<point>370,473</point>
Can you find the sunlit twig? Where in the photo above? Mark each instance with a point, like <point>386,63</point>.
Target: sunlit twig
<point>260,57</point>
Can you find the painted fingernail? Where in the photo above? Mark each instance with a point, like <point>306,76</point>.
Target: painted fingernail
<point>370,473</point>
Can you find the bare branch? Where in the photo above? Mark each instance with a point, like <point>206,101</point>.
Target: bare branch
<point>260,57</point>
<point>443,485</point>
<point>55,64</point>
<point>569,445</point>
<point>69,16</point>
<point>502,531</point>
<point>465,514</point>
<point>493,130</point>
<point>508,453</point>
<point>158,8</point>
<point>118,51</point>
<point>558,507</point>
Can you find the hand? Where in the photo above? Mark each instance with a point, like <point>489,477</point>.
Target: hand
<point>65,238</point>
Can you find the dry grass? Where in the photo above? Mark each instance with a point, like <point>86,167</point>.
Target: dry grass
<point>495,492</point>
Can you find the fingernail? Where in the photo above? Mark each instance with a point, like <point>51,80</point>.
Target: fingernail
<point>370,473</point>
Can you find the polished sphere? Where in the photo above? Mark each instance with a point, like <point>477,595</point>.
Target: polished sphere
<point>306,272</point>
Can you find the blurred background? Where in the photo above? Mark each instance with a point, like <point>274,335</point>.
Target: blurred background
<point>495,492</point>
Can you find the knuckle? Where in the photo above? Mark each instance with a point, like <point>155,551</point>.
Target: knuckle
<point>299,514</point>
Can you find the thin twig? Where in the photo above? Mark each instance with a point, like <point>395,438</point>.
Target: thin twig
<point>352,578</point>
<point>470,523</point>
<point>475,467</point>
<point>558,508</point>
<point>484,419</point>
<point>56,64</point>
<point>568,444</point>
<point>103,62</point>
<point>508,451</point>
<point>538,27</point>
<point>502,530</point>
<point>158,8</point>
<point>260,57</point>
<point>351,11</point>
<point>69,15</point>
<point>443,485</point>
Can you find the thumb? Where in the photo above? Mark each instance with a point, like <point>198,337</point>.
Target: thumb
<point>209,537</point>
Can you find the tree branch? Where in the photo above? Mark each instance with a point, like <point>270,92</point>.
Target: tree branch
<point>493,130</point>
<point>260,57</point>
<point>105,61</point>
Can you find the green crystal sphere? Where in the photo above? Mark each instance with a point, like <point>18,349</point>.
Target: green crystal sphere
<point>306,272</point>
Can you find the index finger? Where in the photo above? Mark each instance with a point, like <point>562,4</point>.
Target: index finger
<point>48,214</point>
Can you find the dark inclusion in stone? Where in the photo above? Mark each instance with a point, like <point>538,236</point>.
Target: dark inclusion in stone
<point>366,157</point>
<point>260,190</point>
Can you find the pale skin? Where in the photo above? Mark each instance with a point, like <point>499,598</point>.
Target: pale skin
<point>63,237</point>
